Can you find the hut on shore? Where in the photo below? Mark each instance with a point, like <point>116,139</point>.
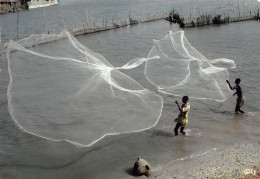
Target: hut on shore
<point>9,6</point>
<point>12,5</point>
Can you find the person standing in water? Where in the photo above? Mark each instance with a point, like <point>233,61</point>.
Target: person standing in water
<point>183,116</point>
<point>240,98</point>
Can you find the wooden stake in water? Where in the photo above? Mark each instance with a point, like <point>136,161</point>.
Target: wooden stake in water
<point>62,22</point>
<point>106,21</point>
<point>238,9</point>
<point>85,20</point>
<point>45,21</point>
<point>258,1</point>
<point>17,24</point>
<point>243,7</point>
<point>0,42</point>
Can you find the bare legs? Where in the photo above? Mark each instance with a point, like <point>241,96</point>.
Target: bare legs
<point>176,129</point>
<point>240,102</point>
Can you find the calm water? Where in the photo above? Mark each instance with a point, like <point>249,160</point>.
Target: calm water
<point>83,13</point>
<point>211,124</point>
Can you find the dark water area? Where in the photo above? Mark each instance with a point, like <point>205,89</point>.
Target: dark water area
<point>211,124</point>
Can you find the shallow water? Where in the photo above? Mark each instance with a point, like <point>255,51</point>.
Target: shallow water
<point>211,124</point>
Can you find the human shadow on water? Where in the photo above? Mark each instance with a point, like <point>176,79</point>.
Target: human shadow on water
<point>160,132</point>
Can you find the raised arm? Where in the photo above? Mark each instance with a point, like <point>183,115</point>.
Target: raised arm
<point>178,105</point>
<point>232,88</point>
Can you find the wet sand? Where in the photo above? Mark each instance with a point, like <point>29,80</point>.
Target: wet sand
<point>238,161</point>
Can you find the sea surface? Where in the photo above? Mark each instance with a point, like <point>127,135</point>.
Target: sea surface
<point>212,125</point>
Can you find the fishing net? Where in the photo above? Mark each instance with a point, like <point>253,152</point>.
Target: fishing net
<point>64,91</point>
<point>61,90</point>
<point>185,71</point>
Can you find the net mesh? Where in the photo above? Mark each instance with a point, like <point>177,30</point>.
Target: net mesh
<point>64,91</point>
<point>185,71</point>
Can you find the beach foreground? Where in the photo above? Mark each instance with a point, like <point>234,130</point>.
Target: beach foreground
<point>238,161</point>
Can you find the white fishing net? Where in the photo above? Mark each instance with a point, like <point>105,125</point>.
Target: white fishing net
<point>185,71</point>
<point>64,91</point>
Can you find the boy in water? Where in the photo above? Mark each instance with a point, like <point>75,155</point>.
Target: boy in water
<point>183,116</point>
<point>240,98</point>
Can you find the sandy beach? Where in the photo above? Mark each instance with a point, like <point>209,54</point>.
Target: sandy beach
<point>238,161</point>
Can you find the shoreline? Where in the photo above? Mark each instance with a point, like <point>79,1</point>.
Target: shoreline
<point>237,161</point>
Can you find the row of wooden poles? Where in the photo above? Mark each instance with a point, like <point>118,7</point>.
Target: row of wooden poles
<point>173,16</point>
<point>116,23</point>
<point>209,19</point>
<point>87,28</point>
